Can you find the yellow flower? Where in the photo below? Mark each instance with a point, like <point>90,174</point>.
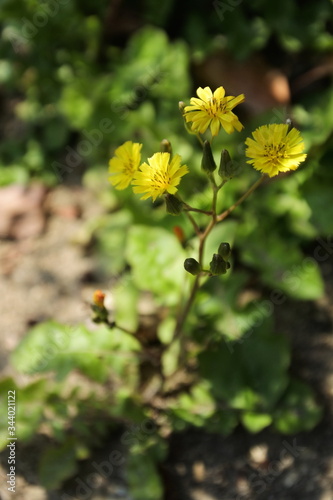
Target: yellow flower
<point>162,175</point>
<point>214,111</point>
<point>124,164</point>
<point>274,149</point>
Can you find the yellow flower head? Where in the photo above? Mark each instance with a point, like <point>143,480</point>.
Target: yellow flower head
<point>124,164</point>
<point>214,111</point>
<point>274,149</point>
<point>161,175</point>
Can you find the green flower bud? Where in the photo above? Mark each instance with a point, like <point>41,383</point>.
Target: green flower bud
<point>192,266</point>
<point>174,206</point>
<point>166,146</point>
<point>181,106</point>
<point>218,265</point>
<point>224,250</point>
<point>228,168</point>
<point>187,125</point>
<point>207,163</point>
<point>100,314</point>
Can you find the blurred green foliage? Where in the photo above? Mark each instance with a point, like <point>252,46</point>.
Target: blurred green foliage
<point>61,76</point>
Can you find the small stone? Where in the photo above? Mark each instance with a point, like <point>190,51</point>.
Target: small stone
<point>199,471</point>
<point>181,469</point>
<point>259,454</point>
<point>290,479</point>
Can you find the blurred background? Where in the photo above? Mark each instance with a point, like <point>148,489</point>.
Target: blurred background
<point>77,79</point>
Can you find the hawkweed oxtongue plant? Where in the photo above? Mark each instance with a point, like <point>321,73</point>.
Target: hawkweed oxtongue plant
<point>272,149</point>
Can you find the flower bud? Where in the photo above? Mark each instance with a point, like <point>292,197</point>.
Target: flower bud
<point>228,168</point>
<point>207,163</point>
<point>98,298</point>
<point>174,206</point>
<point>192,266</point>
<point>187,125</point>
<point>218,265</point>
<point>224,250</point>
<point>181,106</point>
<point>98,307</point>
<point>290,124</point>
<point>179,233</point>
<point>166,146</point>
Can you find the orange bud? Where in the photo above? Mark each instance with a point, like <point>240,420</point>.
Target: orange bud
<point>98,298</point>
<point>179,233</point>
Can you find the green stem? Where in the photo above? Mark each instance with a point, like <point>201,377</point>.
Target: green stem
<point>195,287</point>
<point>222,183</point>
<point>202,240</point>
<point>113,324</point>
<point>254,186</point>
<point>199,139</point>
<point>194,224</point>
<point>188,208</point>
<point>182,317</point>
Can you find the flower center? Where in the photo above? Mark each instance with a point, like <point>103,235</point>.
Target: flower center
<point>161,181</point>
<point>129,167</point>
<point>275,153</point>
<point>215,107</point>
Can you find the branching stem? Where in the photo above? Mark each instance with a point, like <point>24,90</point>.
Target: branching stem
<point>202,235</point>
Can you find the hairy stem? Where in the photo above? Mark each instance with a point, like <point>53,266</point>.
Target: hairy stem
<point>188,208</point>
<point>195,287</point>
<point>254,186</point>
<point>182,317</point>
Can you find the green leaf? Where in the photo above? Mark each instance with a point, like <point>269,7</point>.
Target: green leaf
<point>255,422</point>
<point>37,350</point>
<point>195,407</point>
<point>55,133</point>
<point>222,421</point>
<point>298,410</point>
<point>166,329</point>
<point>149,66</point>
<point>250,374</point>
<point>266,357</point>
<point>13,174</point>
<point>319,197</point>
<point>217,303</point>
<point>170,358</point>
<point>111,232</point>
<point>142,476</point>
<point>224,371</point>
<point>126,297</point>
<point>156,258</point>
<point>30,408</point>
<point>76,103</point>
<point>51,346</point>
<point>57,464</point>
<point>283,267</point>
